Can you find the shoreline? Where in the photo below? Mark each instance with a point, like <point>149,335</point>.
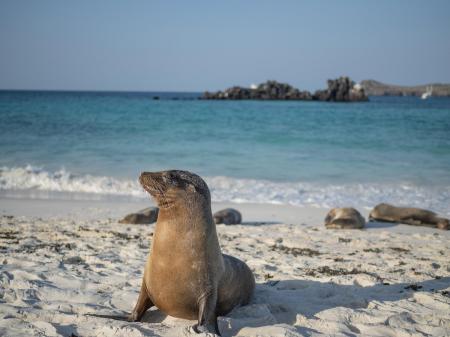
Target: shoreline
<point>115,209</point>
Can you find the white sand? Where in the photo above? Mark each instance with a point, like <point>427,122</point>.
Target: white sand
<point>60,260</point>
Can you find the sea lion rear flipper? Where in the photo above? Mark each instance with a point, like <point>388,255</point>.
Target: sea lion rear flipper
<point>412,221</point>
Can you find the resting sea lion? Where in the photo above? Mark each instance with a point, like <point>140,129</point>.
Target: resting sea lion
<point>409,216</point>
<point>344,218</point>
<point>186,274</point>
<point>228,216</point>
<point>145,216</point>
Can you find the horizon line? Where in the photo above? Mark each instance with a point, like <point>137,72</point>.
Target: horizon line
<point>105,91</point>
<point>199,91</point>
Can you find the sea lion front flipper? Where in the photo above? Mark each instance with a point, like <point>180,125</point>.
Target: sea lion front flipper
<point>143,303</point>
<point>207,317</point>
<point>412,221</point>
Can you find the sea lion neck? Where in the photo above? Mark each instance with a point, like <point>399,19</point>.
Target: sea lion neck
<point>166,204</point>
<point>184,214</point>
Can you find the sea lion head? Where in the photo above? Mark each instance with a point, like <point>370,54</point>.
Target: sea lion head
<point>378,210</point>
<point>344,218</point>
<point>443,223</point>
<point>175,187</point>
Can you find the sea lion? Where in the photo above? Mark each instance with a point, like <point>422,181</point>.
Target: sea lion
<point>186,274</point>
<point>344,218</point>
<point>228,216</point>
<point>145,216</point>
<point>409,216</point>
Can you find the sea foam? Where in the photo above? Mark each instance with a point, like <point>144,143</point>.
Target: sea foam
<point>226,189</point>
<point>36,178</point>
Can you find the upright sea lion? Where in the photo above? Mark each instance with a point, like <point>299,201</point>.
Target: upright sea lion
<point>344,218</point>
<point>409,216</point>
<point>186,274</point>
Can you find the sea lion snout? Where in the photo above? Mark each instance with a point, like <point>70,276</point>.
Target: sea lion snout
<point>152,182</point>
<point>160,182</point>
<point>145,178</point>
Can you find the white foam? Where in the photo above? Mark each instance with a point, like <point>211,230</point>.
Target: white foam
<point>239,190</point>
<point>321,195</point>
<point>35,178</point>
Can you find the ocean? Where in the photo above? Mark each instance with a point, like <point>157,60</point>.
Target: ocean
<point>93,145</point>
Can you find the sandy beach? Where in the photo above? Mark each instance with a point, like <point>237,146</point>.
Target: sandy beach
<point>64,260</point>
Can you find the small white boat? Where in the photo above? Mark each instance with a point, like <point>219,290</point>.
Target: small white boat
<point>428,93</point>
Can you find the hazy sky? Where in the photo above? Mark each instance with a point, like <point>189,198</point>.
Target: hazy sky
<point>208,45</point>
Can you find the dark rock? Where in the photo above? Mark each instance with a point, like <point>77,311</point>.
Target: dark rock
<point>339,90</point>
<point>228,216</point>
<point>73,260</point>
<point>146,216</point>
<point>413,287</point>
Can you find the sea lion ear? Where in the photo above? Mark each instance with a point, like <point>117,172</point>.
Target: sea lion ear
<point>191,188</point>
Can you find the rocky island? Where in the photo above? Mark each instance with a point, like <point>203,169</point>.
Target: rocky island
<point>341,89</point>
<point>376,88</point>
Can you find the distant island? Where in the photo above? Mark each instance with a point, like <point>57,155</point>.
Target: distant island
<point>341,89</point>
<point>375,88</point>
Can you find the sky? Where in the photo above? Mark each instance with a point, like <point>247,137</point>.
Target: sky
<point>212,45</point>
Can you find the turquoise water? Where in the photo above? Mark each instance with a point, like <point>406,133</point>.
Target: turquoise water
<point>67,137</point>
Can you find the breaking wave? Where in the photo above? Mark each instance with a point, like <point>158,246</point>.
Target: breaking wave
<point>225,189</point>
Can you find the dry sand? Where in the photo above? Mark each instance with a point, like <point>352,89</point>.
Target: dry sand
<point>61,260</point>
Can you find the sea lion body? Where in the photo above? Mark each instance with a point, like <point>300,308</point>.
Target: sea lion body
<point>344,218</point>
<point>409,216</point>
<point>228,216</point>
<point>145,216</point>
<point>186,275</point>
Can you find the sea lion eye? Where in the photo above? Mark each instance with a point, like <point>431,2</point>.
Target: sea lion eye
<point>172,179</point>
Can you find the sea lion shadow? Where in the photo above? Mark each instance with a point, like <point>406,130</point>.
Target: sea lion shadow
<point>153,316</point>
<point>379,224</point>
<point>260,223</point>
<point>287,301</point>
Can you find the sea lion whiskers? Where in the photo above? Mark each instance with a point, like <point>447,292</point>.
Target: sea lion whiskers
<point>150,184</point>
<point>156,188</point>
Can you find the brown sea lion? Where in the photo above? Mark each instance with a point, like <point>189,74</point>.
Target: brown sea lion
<point>186,274</point>
<point>145,216</point>
<point>344,218</point>
<point>409,216</point>
<point>228,216</point>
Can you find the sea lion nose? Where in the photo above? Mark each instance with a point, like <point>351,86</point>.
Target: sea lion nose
<point>155,177</point>
<point>146,176</point>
